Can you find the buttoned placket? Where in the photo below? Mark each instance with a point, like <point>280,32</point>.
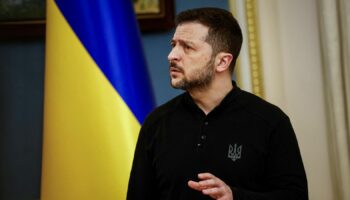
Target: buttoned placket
<point>203,133</point>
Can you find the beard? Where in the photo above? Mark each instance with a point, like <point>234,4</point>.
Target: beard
<point>198,79</point>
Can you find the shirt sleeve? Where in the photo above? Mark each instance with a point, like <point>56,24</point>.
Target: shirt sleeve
<point>285,174</point>
<point>142,183</point>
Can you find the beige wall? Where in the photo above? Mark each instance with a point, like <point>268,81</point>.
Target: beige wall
<point>290,49</point>
<point>292,74</point>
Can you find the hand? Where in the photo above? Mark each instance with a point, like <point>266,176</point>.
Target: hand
<point>212,186</point>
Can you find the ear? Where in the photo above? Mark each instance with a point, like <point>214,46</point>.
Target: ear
<point>223,61</point>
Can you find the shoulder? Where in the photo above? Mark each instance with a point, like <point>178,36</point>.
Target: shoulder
<point>164,110</point>
<point>260,108</point>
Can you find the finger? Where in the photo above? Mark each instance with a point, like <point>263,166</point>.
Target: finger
<point>215,191</point>
<point>212,180</point>
<point>206,175</point>
<point>208,183</point>
<point>202,184</point>
<point>194,185</point>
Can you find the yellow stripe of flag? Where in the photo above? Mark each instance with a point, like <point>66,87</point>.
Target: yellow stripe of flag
<point>86,154</point>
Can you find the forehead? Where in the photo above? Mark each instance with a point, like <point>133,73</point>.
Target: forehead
<point>192,31</point>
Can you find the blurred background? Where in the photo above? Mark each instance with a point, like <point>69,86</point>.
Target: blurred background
<point>295,55</point>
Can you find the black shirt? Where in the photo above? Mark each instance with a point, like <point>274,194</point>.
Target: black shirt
<point>245,141</point>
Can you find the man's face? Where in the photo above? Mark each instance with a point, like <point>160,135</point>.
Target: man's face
<point>191,60</point>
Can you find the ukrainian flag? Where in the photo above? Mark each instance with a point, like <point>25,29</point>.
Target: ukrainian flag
<point>97,93</point>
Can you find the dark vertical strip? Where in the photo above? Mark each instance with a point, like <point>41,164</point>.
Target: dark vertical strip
<point>21,118</point>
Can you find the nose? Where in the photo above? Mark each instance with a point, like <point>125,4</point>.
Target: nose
<point>174,55</point>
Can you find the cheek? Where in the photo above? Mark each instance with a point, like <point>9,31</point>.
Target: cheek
<point>207,59</point>
<point>194,63</point>
<point>193,70</point>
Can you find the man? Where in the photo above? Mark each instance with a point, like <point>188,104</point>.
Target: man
<point>214,141</point>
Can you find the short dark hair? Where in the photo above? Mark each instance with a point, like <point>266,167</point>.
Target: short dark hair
<point>224,33</point>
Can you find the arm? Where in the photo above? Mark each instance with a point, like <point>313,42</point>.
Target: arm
<point>285,174</point>
<point>141,182</point>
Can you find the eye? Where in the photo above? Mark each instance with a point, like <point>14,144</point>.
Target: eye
<point>187,47</point>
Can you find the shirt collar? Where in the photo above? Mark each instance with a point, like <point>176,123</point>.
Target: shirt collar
<point>228,99</point>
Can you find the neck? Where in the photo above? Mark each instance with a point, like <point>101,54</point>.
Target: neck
<point>211,96</point>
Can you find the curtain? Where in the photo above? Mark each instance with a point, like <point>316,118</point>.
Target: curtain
<point>335,38</point>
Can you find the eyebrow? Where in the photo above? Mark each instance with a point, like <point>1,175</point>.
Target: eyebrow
<point>184,41</point>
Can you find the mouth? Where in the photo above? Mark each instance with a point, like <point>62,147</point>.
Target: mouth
<point>175,68</point>
<point>175,71</point>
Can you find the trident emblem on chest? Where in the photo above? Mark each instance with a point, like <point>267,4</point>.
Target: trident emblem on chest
<point>234,152</point>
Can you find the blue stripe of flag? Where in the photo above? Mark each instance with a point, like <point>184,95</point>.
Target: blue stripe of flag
<point>108,30</point>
